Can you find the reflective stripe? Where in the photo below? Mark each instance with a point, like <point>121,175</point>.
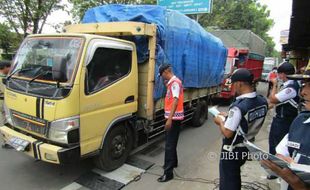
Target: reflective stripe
<point>230,148</point>
<point>177,115</point>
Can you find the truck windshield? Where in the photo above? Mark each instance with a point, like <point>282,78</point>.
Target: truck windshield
<point>50,55</point>
<point>229,62</point>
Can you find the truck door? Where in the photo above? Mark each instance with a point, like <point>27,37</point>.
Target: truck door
<point>109,89</point>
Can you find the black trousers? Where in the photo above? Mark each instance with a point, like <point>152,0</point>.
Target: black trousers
<point>230,173</point>
<point>171,156</point>
<point>269,88</point>
<point>279,128</point>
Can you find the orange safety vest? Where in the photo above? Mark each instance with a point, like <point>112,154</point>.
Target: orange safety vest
<point>179,112</point>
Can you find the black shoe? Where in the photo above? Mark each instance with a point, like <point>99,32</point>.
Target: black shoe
<point>271,177</point>
<point>165,178</point>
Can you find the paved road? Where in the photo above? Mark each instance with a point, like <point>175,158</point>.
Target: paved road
<point>18,171</point>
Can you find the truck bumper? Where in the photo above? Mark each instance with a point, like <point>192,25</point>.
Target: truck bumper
<point>40,150</point>
<point>225,95</point>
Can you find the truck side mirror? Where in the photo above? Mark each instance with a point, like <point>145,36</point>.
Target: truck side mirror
<point>59,69</point>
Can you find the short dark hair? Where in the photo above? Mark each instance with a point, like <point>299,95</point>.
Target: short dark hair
<point>4,64</point>
<point>163,67</point>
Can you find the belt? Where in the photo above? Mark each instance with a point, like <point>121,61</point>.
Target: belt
<point>230,148</point>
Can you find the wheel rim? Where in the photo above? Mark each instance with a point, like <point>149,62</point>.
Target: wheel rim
<point>118,146</point>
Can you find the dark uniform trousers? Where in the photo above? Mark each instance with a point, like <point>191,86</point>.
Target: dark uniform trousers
<point>279,128</point>
<point>172,137</point>
<point>230,173</point>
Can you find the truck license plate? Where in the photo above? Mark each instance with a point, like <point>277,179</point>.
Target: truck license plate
<point>19,144</point>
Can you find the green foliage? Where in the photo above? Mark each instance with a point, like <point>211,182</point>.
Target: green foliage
<point>9,41</point>
<point>28,16</point>
<point>241,14</point>
<point>81,6</point>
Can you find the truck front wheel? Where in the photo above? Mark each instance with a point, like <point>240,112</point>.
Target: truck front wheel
<point>116,148</point>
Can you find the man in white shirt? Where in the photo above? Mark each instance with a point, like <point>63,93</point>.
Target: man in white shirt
<point>174,114</point>
<point>295,146</point>
<point>286,101</point>
<point>244,119</point>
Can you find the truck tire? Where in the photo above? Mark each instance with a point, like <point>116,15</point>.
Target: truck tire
<point>116,148</point>
<point>200,114</point>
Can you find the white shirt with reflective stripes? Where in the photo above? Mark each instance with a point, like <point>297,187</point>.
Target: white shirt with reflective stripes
<point>287,93</point>
<point>175,87</point>
<point>234,114</point>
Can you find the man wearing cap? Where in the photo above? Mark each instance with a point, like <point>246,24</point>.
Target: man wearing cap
<point>174,114</point>
<point>295,146</point>
<point>286,102</point>
<point>245,118</point>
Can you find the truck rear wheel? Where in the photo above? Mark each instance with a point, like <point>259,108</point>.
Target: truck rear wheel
<point>116,148</point>
<point>200,114</point>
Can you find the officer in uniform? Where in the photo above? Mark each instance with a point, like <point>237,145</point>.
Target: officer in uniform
<point>174,114</point>
<point>286,101</point>
<point>245,118</point>
<point>5,67</point>
<point>295,146</point>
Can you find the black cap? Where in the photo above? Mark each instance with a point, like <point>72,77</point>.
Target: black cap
<point>286,68</point>
<point>243,75</point>
<point>163,67</point>
<point>305,76</point>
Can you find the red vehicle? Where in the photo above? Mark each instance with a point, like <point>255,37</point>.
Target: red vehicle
<point>240,58</point>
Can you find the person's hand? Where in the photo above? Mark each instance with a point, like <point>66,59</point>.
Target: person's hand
<point>286,158</point>
<point>168,124</point>
<point>274,81</point>
<point>218,120</point>
<point>223,114</point>
<point>286,174</point>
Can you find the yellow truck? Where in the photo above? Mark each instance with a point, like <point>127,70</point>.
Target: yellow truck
<point>79,94</point>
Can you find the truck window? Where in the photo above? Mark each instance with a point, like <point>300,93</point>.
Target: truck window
<point>106,67</point>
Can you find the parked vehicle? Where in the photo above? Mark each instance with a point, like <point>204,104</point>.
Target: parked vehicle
<point>245,50</point>
<point>80,93</point>
<point>269,64</point>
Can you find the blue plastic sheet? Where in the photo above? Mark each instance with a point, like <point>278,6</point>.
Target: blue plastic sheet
<point>197,57</point>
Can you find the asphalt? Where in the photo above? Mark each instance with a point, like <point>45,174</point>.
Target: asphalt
<point>198,151</point>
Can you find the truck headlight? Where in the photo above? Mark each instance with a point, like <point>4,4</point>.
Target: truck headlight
<point>8,118</point>
<point>65,130</point>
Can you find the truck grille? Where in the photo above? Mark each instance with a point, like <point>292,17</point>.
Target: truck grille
<point>29,123</point>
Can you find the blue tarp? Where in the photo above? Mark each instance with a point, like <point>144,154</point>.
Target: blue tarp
<point>197,57</point>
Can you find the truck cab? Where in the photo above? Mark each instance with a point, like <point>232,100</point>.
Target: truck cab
<point>65,91</point>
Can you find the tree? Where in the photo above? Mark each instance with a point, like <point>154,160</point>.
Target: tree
<point>28,16</point>
<point>9,41</point>
<point>81,6</point>
<point>241,14</point>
